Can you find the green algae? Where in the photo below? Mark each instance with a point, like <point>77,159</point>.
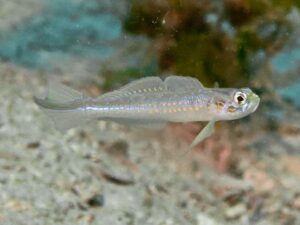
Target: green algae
<point>206,51</point>
<point>286,4</point>
<point>208,57</point>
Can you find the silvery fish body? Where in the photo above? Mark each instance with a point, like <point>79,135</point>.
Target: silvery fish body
<point>150,102</point>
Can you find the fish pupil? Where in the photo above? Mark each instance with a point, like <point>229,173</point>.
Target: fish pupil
<point>240,99</point>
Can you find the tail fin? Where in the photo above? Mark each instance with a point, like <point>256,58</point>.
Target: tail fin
<point>62,105</point>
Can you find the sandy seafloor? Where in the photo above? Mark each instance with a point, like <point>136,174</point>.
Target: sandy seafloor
<point>109,174</point>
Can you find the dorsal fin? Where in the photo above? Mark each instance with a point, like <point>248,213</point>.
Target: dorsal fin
<point>141,86</point>
<point>144,85</point>
<point>154,84</point>
<point>180,83</point>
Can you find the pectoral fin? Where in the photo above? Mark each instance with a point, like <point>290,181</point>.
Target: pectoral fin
<point>205,132</point>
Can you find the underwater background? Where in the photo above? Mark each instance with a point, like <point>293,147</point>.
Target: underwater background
<point>247,172</point>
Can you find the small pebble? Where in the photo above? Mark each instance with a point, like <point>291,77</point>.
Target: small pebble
<point>118,148</point>
<point>235,211</point>
<point>96,201</point>
<point>203,219</point>
<point>117,179</point>
<point>296,203</point>
<point>33,145</point>
<point>17,205</point>
<point>87,218</point>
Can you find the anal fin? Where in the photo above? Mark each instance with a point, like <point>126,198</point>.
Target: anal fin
<point>154,125</point>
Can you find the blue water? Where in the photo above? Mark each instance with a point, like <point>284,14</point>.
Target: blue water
<point>63,29</point>
<point>287,61</point>
<point>292,93</point>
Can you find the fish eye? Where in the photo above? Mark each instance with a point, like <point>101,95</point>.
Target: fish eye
<point>240,98</point>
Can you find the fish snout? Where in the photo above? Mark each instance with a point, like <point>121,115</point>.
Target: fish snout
<point>253,102</point>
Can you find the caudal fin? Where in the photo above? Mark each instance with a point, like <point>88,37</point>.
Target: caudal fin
<point>61,105</point>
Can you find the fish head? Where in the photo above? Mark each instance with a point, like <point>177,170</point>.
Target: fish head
<point>233,104</point>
